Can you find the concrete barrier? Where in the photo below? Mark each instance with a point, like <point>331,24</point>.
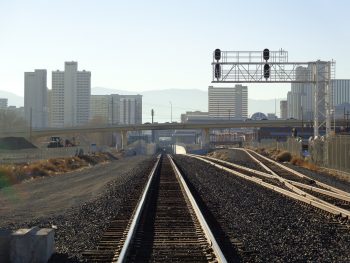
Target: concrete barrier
<point>27,245</point>
<point>5,238</point>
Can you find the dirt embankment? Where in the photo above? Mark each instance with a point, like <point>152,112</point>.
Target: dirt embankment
<point>11,174</point>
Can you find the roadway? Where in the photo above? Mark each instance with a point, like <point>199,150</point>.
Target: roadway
<point>155,126</point>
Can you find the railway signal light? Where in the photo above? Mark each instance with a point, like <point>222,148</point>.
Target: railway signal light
<point>217,71</point>
<point>266,54</point>
<point>217,54</point>
<point>266,71</point>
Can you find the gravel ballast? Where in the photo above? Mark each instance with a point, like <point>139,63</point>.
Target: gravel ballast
<point>271,227</point>
<point>80,228</point>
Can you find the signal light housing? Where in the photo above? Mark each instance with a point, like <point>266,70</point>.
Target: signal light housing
<point>266,71</point>
<point>217,54</point>
<point>217,71</point>
<point>266,54</point>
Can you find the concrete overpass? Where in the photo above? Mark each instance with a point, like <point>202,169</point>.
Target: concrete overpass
<point>123,129</point>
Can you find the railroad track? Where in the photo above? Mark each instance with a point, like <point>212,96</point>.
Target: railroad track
<point>166,226</point>
<point>320,190</point>
<point>289,183</point>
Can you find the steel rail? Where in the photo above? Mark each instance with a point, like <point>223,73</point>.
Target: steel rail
<point>132,230</point>
<point>205,227</point>
<point>240,167</point>
<point>305,186</point>
<point>321,191</point>
<point>286,183</point>
<point>311,201</point>
<point>334,189</point>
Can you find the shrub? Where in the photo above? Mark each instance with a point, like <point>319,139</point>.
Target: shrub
<point>284,157</point>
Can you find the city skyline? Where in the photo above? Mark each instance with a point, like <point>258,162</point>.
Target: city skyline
<point>165,52</point>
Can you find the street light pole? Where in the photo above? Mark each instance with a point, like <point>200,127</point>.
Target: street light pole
<point>171,111</point>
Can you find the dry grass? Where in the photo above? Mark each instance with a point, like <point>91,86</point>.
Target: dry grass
<point>222,155</point>
<point>285,156</point>
<point>12,174</point>
<point>298,161</point>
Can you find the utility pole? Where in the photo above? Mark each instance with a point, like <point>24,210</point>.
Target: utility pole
<point>171,111</point>
<point>112,115</point>
<point>112,111</point>
<point>30,123</point>
<point>302,122</point>
<point>152,113</point>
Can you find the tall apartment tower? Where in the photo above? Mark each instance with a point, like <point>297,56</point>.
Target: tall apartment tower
<point>71,90</point>
<point>283,109</point>
<point>241,102</point>
<point>301,97</point>
<point>341,91</point>
<point>99,107</point>
<point>35,98</point>
<point>228,103</point>
<point>125,109</point>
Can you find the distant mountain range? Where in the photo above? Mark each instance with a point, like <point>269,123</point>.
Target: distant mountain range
<point>182,100</point>
<point>13,99</point>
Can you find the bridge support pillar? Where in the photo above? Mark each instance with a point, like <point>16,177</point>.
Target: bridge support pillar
<point>205,138</point>
<point>124,139</point>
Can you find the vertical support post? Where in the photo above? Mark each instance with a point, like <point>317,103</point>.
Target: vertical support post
<point>315,86</point>
<point>30,124</point>
<point>205,138</point>
<point>124,139</point>
<point>328,115</point>
<point>328,100</point>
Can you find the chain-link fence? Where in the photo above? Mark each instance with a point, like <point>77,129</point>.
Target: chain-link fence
<point>334,153</point>
<point>31,155</point>
<point>292,145</point>
<point>338,150</point>
<point>316,150</point>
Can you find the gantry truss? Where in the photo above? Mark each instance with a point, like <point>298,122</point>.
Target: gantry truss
<point>248,67</point>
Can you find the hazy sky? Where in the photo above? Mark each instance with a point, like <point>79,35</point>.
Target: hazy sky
<point>147,45</point>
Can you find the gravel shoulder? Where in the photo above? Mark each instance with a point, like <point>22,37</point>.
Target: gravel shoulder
<point>271,227</point>
<point>237,157</point>
<point>48,196</point>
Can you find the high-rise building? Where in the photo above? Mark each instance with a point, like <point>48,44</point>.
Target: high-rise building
<point>125,109</point>
<point>301,97</point>
<point>3,103</point>
<point>35,98</point>
<point>283,109</point>
<point>228,103</point>
<point>71,90</point>
<point>99,107</point>
<point>341,91</point>
<point>241,102</point>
